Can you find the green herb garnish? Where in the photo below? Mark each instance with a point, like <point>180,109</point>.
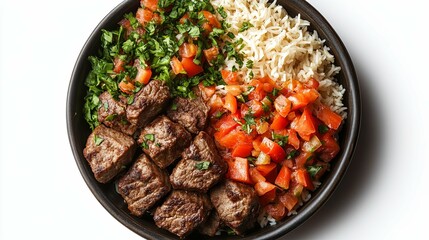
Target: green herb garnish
<point>98,140</point>
<point>322,129</point>
<point>204,165</point>
<point>245,26</point>
<point>313,170</point>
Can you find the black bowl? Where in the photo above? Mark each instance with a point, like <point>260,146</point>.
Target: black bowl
<point>78,129</point>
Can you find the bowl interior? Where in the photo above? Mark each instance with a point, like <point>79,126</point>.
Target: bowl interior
<point>78,129</point>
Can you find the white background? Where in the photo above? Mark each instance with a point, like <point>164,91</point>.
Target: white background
<point>384,195</point>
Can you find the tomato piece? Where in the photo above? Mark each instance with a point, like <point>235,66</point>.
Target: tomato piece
<point>304,125</point>
<point>312,83</point>
<point>188,50</point>
<point>184,18</point>
<point>267,197</point>
<point>234,137</point>
<point>227,123</point>
<point>268,87</point>
<point>256,176</point>
<point>233,89</point>
<point>190,67</point>
<point>293,138</point>
<point>303,178</point>
<point>273,149</point>
<point>212,19</point>
<point>329,149</point>
<point>264,187</point>
<point>119,65</point>
<point>303,98</point>
<point>150,4</point>
<point>207,28</point>
<point>243,149</point>
<point>144,16</point>
<point>177,66</point>
<point>238,170</point>
<point>255,108</point>
<point>282,105</point>
<point>143,75</point>
<point>279,122</point>
<point>258,92</point>
<point>207,91</point>
<point>283,178</point>
<point>302,159</point>
<point>266,169</point>
<point>288,200</point>
<point>230,103</point>
<point>327,116</point>
<point>276,210</point>
<point>215,103</point>
<point>211,53</point>
<point>126,87</point>
<point>229,77</point>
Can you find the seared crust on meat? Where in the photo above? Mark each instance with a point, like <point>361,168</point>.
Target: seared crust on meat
<point>143,185</point>
<point>108,152</point>
<point>182,212</point>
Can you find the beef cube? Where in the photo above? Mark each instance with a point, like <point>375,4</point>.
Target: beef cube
<point>148,103</point>
<point>182,212</point>
<point>112,113</point>
<point>108,152</point>
<point>190,113</point>
<point>237,205</point>
<point>164,141</point>
<point>143,185</point>
<point>201,166</point>
<point>211,226</point>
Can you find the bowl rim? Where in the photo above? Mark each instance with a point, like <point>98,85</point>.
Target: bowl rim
<point>311,207</point>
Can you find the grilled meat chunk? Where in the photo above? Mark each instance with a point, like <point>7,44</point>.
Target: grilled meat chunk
<point>108,151</point>
<point>182,212</point>
<point>143,185</point>
<point>201,166</point>
<point>237,205</point>
<point>164,140</point>
<point>148,103</point>
<point>113,114</point>
<point>211,226</point>
<point>190,113</point>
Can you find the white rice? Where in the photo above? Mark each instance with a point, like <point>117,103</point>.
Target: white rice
<point>282,48</point>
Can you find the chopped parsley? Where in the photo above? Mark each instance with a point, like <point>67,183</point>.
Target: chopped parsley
<point>111,117</point>
<point>150,137</point>
<point>275,92</point>
<point>249,121</point>
<point>98,140</point>
<point>222,12</point>
<point>322,129</point>
<point>245,26</point>
<point>292,154</point>
<point>204,165</point>
<point>173,106</point>
<point>280,139</point>
<point>313,170</point>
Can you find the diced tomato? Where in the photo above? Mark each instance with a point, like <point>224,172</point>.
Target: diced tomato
<point>293,138</point>
<point>328,117</point>
<point>190,67</point>
<point>255,108</point>
<point>226,124</point>
<point>143,75</point>
<point>126,87</point>
<point>264,187</point>
<point>207,91</point>
<point>211,53</point>
<point>288,200</point>
<point>262,127</point>
<point>258,92</point>
<point>144,16</point>
<point>267,197</point>
<point>282,105</point>
<point>207,28</point>
<point>305,125</point>
<point>303,98</point>
<point>312,145</point>
<point>211,18</point>
<point>268,87</point>
<point>330,147</point>
<point>283,178</point>
<point>188,50</point>
<point>291,116</point>
<point>273,149</point>
<point>184,18</point>
<point>119,65</point>
<point>303,178</point>
<point>291,86</point>
<point>215,103</point>
<point>257,142</point>
<point>279,122</point>
<point>150,4</point>
<point>238,170</point>
<point>256,176</point>
<point>266,169</point>
<point>312,83</point>
<point>276,210</point>
<point>229,77</point>
<point>302,159</point>
<point>234,137</point>
<point>230,103</point>
<point>233,89</point>
<point>243,149</point>
<point>177,66</point>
